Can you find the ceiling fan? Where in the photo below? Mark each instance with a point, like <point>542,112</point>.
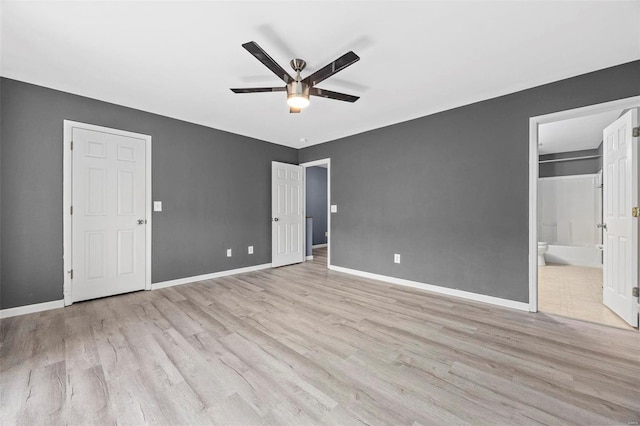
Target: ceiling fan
<point>299,89</point>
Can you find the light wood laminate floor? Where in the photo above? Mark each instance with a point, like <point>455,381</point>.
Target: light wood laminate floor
<point>302,345</point>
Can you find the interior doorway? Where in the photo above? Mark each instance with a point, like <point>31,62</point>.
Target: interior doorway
<point>317,209</point>
<point>571,200</point>
<point>107,211</point>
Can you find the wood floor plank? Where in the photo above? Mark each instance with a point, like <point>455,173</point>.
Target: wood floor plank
<point>303,345</point>
<point>87,400</point>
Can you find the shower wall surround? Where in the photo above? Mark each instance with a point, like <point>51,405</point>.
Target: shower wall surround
<point>569,209</point>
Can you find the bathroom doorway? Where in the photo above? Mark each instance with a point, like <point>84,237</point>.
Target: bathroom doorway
<point>568,219</point>
<point>317,179</point>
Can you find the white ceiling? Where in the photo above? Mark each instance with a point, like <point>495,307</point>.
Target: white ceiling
<point>574,134</point>
<point>179,59</point>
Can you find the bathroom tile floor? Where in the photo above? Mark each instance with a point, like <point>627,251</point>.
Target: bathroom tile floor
<point>574,292</point>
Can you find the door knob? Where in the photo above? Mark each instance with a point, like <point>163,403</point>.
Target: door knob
<point>275,219</point>
<point>602,225</point>
<point>141,221</point>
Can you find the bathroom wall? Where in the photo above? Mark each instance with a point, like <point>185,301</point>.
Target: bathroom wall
<point>569,208</point>
<point>571,167</point>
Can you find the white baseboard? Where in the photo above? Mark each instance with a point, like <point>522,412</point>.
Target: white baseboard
<point>310,257</point>
<point>180,281</point>
<point>30,309</point>
<point>437,289</point>
<point>318,245</point>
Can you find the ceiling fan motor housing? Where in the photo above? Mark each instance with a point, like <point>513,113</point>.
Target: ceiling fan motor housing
<point>298,64</point>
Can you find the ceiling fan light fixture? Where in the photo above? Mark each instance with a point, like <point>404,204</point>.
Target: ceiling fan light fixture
<point>297,94</point>
<point>298,101</point>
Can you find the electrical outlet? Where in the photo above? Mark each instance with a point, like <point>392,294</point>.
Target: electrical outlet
<point>250,250</point>
<point>228,252</point>
<point>396,258</point>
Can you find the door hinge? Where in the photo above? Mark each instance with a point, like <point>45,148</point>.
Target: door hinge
<point>635,212</point>
<point>71,273</point>
<point>635,132</point>
<point>71,145</point>
<point>71,210</point>
<point>635,292</point>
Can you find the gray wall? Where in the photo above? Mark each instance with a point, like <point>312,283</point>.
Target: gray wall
<point>571,167</point>
<point>215,188</point>
<point>1,126</point>
<point>316,194</point>
<point>449,191</point>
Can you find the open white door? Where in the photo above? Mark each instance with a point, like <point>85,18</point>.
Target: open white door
<point>287,214</point>
<point>108,214</point>
<point>620,190</point>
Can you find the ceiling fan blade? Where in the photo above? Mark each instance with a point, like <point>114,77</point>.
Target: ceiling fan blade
<point>260,89</point>
<point>293,110</point>
<point>253,48</point>
<point>327,71</point>
<point>315,91</point>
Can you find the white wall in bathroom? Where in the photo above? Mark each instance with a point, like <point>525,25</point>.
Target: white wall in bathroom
<point>569,208</point>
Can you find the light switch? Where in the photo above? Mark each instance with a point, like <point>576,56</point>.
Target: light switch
<point>228,252</point>
<point>157,206</point>
<point>250,250</point>
<point>334,208</point>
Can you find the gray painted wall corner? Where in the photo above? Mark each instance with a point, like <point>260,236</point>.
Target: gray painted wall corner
<point>210,203</point>
<point>449,191</point>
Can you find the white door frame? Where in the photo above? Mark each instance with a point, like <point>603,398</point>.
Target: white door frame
<point>633,102</point>
<point>67,180</point>
<point>327,162</point>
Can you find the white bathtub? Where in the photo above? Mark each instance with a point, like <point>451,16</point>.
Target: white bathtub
<point>570,255</point>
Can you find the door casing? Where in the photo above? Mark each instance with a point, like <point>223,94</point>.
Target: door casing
<point>633,102</point>
<point>67,188</point>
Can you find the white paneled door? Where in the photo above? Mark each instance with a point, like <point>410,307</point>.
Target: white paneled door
<point>287,211</point>
<point>620,193</point>
<point>109,214</point>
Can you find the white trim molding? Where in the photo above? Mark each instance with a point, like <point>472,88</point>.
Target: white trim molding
<point>30,309</point>
<point>67,181</point>
<point>534,123</point>
<point>521,306</point>
<point>318,245</point>
<point>196,278</point>
<point>309,257</point>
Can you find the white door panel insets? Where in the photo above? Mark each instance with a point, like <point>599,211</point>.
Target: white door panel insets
<point>95,193</point>
<point>126,192</point>
<point>620,191</point>
<point>126,153</point>
<point>126,252</point>
<point>287,214</point>
<point>96,149</point>
<point>95,254</point>
<point>108,198</point>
